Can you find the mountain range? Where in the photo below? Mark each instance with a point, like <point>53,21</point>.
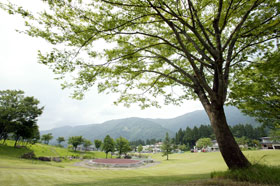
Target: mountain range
<point>146,128</point>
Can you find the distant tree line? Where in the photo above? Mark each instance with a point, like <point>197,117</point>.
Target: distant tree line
<point>190,136</point>
<point>145,142</point>
<point>108,145</point>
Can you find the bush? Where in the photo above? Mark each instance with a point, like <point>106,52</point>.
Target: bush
<point>127,157</point>
<point>88,157</point>
<point>261,174</point>
<point>29,155</point>
<point>42,158</point>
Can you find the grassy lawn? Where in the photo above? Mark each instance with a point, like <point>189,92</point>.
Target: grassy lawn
<point>181,169</point>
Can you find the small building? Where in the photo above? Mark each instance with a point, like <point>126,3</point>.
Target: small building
<point>215,146</point>
<point>156,148</point>
<point>268,143</point>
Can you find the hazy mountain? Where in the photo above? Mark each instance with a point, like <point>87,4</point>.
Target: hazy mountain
<point>130,128</point>
<point>140,128</point>
<point>196,118</point>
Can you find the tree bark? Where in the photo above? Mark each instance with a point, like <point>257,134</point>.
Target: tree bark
<point>16,140</point>
<point>229,149</point>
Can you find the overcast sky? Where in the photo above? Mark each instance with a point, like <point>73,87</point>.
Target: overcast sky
<point>19,70</point>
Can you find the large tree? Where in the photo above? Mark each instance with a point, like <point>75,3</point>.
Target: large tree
<point>97,143</point>
<point>257,90</point>
<point>167,146</point>
<point>203,142</point>
<point>87,143</point>
<point>122,146</point>
<point>60,140</point>
<point>75,141</point>
<point>108,145</point>
<point>18,115</point>
<point>46,138</point>
<point>178,49</point>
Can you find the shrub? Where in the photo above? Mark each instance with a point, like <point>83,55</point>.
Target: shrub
<point>29,155</point>
<point>88,157</point>
<point>127,157</point>
<point>261,174</point>
<point>42,158</point>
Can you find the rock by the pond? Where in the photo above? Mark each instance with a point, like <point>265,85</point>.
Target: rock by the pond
<point>29,155</point>
<point>56,159</point>
<point>42,158</point>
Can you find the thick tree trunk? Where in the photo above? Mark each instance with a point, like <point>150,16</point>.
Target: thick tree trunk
<point>230,150</point>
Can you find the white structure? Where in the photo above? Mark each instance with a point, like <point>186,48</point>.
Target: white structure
<point>156,148</point>
<point>268,143</point>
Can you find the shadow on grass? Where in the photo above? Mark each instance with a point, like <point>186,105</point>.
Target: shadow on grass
<point>11,152</point>
<point>144,180</point>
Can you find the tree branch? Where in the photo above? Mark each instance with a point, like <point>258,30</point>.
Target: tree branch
<point>238,27</point>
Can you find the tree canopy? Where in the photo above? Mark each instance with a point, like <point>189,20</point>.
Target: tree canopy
<point>122,146</point>
<point>97,143</point>
<point>46,138</point>
<point>204,142</point>
<point>177,49</point>
<point>18,115</point>
<point>166,146</point>
<point>60,140</point>
<point>257,90</point>
<point>75,141</point>
<point>108,145</point>
<point>87,143</point>
<point>139,148</point>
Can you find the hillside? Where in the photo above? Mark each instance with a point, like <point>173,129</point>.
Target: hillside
<point>8,151</point>
<point>196,118</point>
<point>140,128</point>
<point>130,128</point>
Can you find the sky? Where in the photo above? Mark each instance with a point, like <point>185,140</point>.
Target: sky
<point>20,70</point>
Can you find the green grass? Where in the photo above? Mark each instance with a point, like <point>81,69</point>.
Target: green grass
<point>181,169</point>
<point>258,173</point>
<point>43,150</point>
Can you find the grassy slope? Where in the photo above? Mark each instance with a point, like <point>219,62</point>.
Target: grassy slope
<point>43,150</point>
<point>179,170</point>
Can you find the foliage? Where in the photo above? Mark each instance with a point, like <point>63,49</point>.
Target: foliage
<point>204,142</point>
<point>183,147</point>
<point>140,148</point>
<point>137,142</point>
<point>75,141</point>
<point>60,140</point>
<point>108,145</point>
<point>167,146</point>
<point>275,134</point>
<point>157,46</point>
<point>203,35</point>
<point>18,116</point>
<point>242,141</point>
<point>248,131</point>
<point>97,143</point>
<point>46,138</point>
<point>87,143</point>
<point>190,136</point>
<point>122,146</point>
<point>261,174</point>
<point>256,91</point>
